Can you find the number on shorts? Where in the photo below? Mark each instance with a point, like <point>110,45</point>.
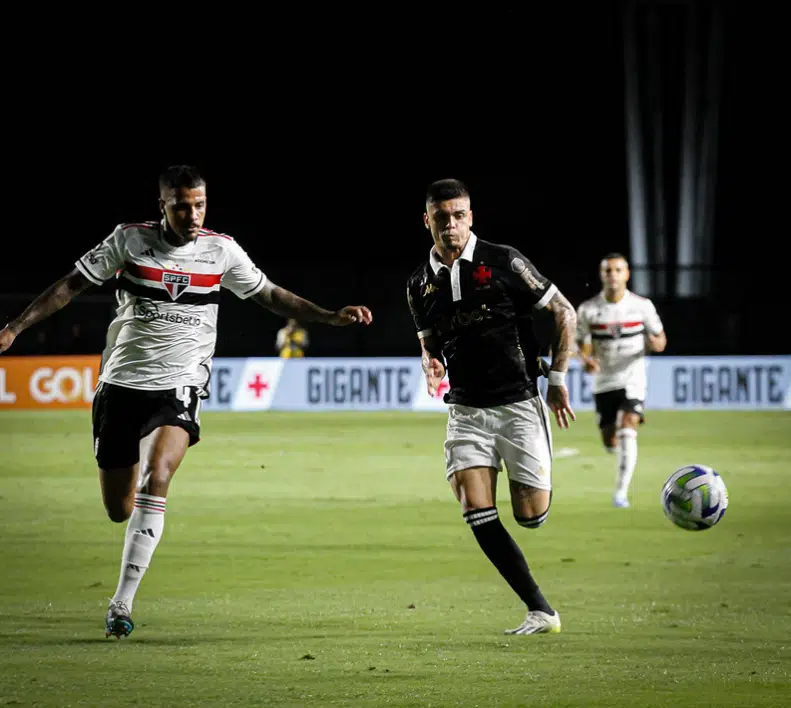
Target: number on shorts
<point>184,395</point>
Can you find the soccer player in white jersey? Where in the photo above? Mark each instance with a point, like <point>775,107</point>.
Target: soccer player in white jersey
<point>614,331</point>
<point>156,365</point>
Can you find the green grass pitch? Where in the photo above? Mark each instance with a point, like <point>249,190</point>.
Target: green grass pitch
<point>321,560</point>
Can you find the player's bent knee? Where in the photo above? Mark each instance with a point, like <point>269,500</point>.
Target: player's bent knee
<point>534,514</point>
<point>118,491</point>
<point>628,421</point>
<point>532,522</point>
<point>118,513</point>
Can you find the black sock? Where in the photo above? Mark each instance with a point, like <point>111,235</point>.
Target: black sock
<point>505,555</point>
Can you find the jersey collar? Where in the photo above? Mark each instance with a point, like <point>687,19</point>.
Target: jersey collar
<point>466,254</point>
<point>626,296</point>
<point>169,247</point>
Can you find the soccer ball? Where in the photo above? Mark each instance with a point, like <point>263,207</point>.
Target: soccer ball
<point>694,498</point>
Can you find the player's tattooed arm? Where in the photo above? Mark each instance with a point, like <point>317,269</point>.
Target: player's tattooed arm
<point>56,296</point>
<point>564,331</point>
<point>287,304</point>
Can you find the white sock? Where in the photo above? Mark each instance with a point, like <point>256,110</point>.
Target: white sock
<point>143,531</point>
<point>626,459</point>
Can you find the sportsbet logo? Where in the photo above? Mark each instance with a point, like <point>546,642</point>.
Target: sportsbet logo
<point>48,382</point>
<point>148,311</point>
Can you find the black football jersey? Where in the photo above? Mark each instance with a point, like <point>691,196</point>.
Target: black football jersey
<point>480,313</point>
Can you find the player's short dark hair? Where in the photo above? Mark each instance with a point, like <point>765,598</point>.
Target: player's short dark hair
<point>178,176</point>
<point>444,189</point>
<point>612,255</point>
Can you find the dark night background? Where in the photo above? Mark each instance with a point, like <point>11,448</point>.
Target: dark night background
<point>318,142</point>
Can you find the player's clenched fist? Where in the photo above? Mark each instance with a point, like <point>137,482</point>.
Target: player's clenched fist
<point>352,314</point>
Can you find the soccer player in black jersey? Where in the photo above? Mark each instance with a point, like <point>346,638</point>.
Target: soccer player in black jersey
<point>474,303</point>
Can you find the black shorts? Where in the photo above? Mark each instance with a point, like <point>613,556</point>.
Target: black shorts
<point>123,416</point>
<point>610,402</point>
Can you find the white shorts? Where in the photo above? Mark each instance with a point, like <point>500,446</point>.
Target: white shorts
<point>518,434</point>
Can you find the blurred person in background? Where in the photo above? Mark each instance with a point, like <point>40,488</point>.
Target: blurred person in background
<point>615,329</point>
<point>292,340</point>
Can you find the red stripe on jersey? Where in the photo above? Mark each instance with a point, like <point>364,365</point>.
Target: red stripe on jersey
<point>203,280</point>
<point>616,324</point>
<point>139,226</point>
<point>207,232</point>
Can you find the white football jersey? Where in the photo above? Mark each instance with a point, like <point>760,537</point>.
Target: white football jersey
<point>617,333</point>
<point>165,328</point>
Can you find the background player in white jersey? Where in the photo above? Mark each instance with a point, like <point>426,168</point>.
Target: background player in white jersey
<point>156,365</point>
<point>614,331</point>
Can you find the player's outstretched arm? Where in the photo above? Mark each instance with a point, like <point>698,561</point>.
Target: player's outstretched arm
<point>56,296</point>
<point>286,304</point>
<point>562,346</point>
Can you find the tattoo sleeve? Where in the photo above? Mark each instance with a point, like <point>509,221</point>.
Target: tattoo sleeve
<point>56,296</point>
<point>564,331</point>
<point>285,303</point>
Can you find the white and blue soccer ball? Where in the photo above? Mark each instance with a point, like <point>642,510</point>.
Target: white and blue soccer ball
<point>694,498</point>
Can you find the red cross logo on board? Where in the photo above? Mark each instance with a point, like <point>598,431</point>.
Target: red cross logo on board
<point>258,385</point>
<point>482,274</point>
<point>442,389</point>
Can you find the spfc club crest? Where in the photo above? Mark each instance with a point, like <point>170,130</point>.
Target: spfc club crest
<point>616,330</point>
<point>175,283</point>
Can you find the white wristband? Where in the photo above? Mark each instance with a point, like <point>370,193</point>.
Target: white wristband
<point>557,378</point>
